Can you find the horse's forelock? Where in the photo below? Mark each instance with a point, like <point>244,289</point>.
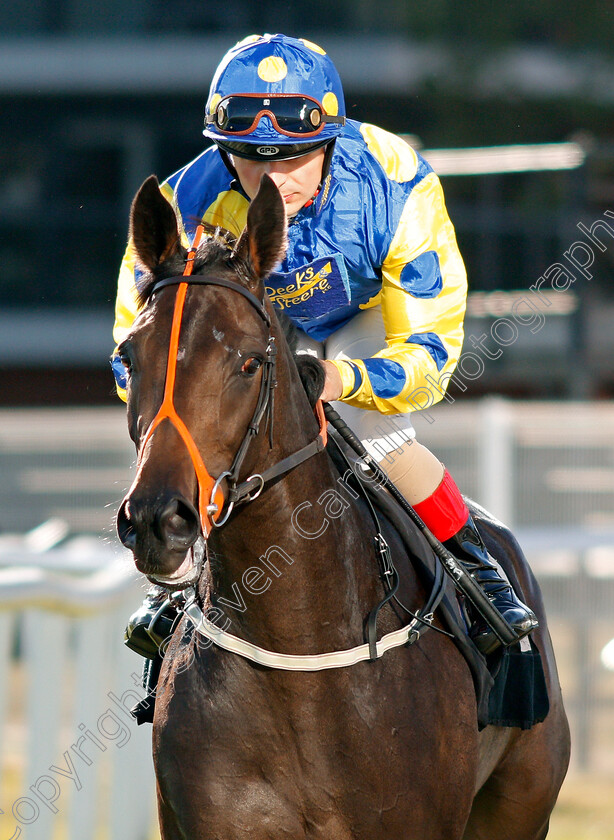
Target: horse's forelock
<point>216,248</point>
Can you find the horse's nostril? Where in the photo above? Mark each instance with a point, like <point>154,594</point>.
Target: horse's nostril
<point>125,529</point>
<point>177,524</point>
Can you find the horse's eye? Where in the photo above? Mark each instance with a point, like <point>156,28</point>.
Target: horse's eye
<point>126,361</point>
<point>251,366</point>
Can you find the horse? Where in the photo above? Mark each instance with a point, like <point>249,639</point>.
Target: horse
<point>236,497</point>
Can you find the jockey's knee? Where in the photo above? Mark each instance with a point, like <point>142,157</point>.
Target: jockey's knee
<point>415,470</point>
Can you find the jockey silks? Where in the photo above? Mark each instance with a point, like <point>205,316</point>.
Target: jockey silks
<point>377,233</point>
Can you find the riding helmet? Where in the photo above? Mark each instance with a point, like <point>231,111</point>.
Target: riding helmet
<point>294,92</point>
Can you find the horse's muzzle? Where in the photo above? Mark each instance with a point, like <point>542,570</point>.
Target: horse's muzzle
<point>159,535</point>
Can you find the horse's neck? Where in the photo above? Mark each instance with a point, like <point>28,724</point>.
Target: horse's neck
<point>295,569</point>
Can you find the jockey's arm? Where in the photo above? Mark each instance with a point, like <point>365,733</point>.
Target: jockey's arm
<point>423,297</point>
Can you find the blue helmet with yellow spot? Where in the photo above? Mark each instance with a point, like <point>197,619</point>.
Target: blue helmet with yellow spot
<point>274,97</point>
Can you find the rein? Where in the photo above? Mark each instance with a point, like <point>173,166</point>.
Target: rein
<point>210,495</point>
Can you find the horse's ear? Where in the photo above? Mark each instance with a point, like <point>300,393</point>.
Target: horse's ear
<point>153,225</point>
<point>263,241</point>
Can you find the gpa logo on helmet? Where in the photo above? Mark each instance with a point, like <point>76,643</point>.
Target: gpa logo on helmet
<point>267,151</point>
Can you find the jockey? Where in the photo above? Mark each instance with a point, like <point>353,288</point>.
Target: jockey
<point>372,279</point>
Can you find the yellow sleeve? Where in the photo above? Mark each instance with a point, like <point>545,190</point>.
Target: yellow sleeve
<point>126,307</point>
<point>423,298</point>
<point>126,302</point>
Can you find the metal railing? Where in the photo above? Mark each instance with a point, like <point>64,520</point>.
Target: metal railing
<point>547,470</point>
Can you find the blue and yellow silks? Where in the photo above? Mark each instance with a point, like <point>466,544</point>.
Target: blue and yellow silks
<point>377,233</point>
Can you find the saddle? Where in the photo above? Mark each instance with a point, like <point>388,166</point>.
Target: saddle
<point>509,684</point>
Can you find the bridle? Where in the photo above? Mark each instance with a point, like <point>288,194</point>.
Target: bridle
<point>210,495</point>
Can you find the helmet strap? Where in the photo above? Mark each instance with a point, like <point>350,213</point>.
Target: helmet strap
<point>227,163</point>
<point>327,159</point>
<point>328,156</point>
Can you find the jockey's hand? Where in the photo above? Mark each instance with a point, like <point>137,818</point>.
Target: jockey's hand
<point>333,386</point>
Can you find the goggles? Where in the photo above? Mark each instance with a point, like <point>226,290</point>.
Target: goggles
<point>291,114</point>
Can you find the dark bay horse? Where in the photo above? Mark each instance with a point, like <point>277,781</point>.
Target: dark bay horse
<point>380,750</point>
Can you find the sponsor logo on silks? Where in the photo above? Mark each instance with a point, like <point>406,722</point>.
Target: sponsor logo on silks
<point>312,290</point>
<point>267,150</point>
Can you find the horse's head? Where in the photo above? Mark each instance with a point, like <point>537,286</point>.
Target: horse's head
<point>199,366</point>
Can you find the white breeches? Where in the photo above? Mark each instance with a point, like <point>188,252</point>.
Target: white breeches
<point>389,438</point>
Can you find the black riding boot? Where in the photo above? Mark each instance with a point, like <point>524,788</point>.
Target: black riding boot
<point>151,624</point>
<point>467,546</point>
<point>147,628</point>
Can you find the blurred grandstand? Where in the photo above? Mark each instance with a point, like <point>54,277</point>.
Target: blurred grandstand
<point>95,96</point>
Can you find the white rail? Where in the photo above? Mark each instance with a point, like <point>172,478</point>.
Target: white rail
<point>73,763</point>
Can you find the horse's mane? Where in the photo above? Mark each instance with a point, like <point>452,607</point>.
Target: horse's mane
<point>310,370</point>
<point>312,376</point>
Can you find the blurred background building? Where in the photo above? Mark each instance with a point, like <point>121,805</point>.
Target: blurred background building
<point>95,96</point>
